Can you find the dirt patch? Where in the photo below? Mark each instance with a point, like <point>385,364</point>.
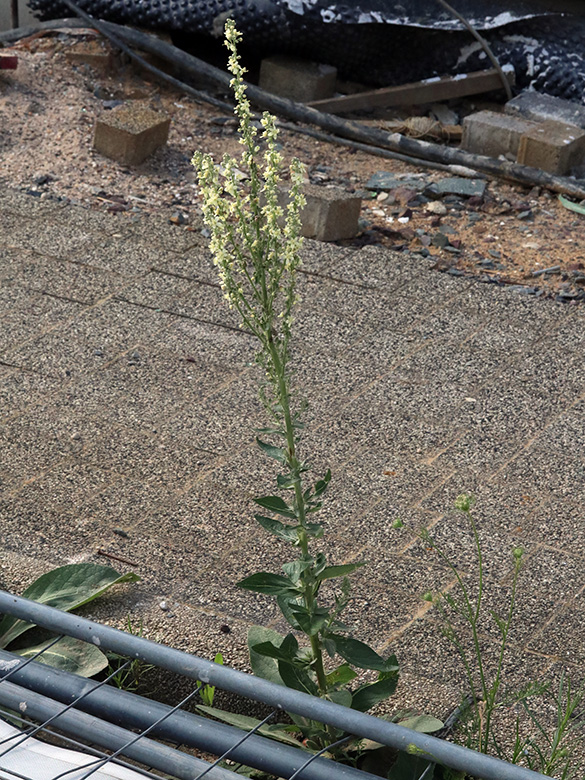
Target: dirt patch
<point>509,235</point>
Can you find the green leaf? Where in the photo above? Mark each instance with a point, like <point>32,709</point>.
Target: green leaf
<point>278,652</point>
<point>314,529</point>
<point>274,731</point>
<point>271,584</point>
<point>271,431</point>
<point>294,569</point>
<point>276,504</point>
<point>296,678</point>
<point>311,622</point>
<point>341,676</point>
<point>69,655</point>
<point>321,485</point>
<point>425,724</point>
<point>342,697</point>
<point>285,481</point>
<point>286,604</point>
<point>262,665</point>
<point>408,767</point>
<point>312,507</point>
<point>339,571</point>
<point>369,695</point>
<point>286,532</point>
<point>65,588</point>
<point>361,655</point>
<point>273,452</point>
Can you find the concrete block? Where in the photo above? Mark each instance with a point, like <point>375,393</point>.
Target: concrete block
<point>92,53</point>
<point>297,79</point>
<point>540,108</point>
<point>554,147</point>
<point>331,214</point>
<point>130,133</point>
<point>493,134</point>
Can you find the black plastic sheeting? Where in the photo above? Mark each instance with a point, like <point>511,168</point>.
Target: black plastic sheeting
<point>377,42</point>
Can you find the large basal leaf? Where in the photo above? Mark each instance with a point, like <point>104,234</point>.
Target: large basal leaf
<point>425,724</point>
<point>275,731</point>
<point>262,665</point>
<point>69,655</point>
<point>65,588</point>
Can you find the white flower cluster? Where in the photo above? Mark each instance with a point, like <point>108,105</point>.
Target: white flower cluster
<point>254,241</point>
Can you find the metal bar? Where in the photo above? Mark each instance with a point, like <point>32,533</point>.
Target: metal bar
<point>135,712</point>
<point>134,738</point>
<point>67,707</point>
<point>87,727</point>
<point>276,696</point>
<point>82,747</point>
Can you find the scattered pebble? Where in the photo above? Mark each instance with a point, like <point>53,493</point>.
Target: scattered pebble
<point>436,207</point>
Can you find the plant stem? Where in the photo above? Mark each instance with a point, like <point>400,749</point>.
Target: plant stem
<point>294,466</point>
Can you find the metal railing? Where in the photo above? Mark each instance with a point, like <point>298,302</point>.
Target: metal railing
<point>128,725</point>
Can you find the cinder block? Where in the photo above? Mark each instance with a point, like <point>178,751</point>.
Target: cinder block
<point>92,53</point>
<point>330,214</point>
<point>296,79</point>
<point>540,108</point>
<point>130,133</point>
<point>554,147</point>
<point>493,134</point>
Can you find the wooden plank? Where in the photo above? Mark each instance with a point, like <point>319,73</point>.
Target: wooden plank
<point>427,91</point>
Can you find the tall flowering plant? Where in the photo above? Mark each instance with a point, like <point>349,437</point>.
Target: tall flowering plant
<point>255,244</point>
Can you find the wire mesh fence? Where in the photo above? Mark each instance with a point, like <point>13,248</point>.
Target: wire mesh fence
<point>55,725</point>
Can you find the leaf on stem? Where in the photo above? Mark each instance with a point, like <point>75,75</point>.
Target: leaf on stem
<point>273,452</point>
<point>286,651</point>
<point>367,696</point>
<point>286,605</point>
<point>271,584</point>
<point>264,666</point>
<point>361,655</point>
<point>311,622</point>
<point>270,431</point>
<point>314,530</point>
<point>286,532</point>
<point>276,504</point>
<point>285,481</point>
<point>343,675</point>
<point>339,571</point>
<point>321,485</point>
<point>296,678</point>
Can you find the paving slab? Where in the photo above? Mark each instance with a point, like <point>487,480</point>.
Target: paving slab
<point>128,402</point>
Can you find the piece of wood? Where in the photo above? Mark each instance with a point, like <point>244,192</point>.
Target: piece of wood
<point>337,130</point>
<point>427,91</point>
